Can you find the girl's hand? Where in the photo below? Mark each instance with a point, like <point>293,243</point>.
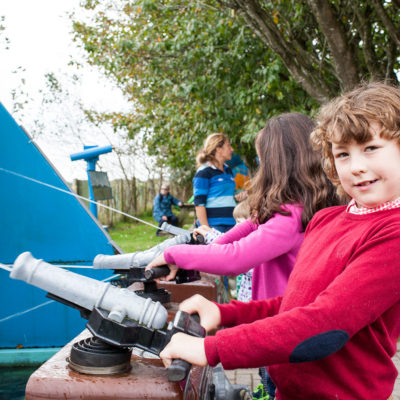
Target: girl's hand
<point>210,316</point>
<point>160,260</point>
<point>184,347</point>
<point>201,230</point>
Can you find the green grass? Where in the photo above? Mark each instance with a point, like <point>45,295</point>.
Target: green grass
<point>136,236</point>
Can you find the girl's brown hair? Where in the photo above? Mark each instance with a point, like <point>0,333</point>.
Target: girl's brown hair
<point>349,117</point>
<point>212,142</point>
<point>290,170</point>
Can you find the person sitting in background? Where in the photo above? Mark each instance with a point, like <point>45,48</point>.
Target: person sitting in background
<point>162,204</point>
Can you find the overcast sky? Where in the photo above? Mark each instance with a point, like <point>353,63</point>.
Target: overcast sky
<point>40,42</point>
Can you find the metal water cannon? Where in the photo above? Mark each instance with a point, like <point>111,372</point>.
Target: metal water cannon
<point>117,318</point>
<point>91,155</point>
<point>131,266</point>
<point>142,258</point>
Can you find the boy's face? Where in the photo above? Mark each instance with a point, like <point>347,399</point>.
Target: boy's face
<point>369,172</point>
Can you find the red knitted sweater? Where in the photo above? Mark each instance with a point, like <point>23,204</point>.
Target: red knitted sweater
<point>333,333</point>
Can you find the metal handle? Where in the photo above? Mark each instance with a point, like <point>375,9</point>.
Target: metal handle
<point>178,370</point>
<point>156,272</point>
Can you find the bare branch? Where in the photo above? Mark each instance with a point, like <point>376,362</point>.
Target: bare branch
<point>342,53</point>
<point>295,58</point>
<point>362,22</point>
<point>391,51</point>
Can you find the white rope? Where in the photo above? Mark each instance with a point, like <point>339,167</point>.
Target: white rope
<point>79,196</point>
<point>9,268</point>
<point>18,314</point>
<point>6,267</point>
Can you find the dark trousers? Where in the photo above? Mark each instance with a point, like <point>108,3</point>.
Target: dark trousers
<point>266,380</point>
<point>173,220</point>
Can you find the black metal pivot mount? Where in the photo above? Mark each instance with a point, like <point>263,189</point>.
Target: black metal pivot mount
<point>130,334</point>
<point>94,356</point>
<point>150,290</point>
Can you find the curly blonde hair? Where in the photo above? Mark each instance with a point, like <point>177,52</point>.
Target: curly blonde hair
<point>349,117</point>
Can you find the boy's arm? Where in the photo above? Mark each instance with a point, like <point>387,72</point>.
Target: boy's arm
<point>238,312</point>
<point>367,288</point>
<point>192,349</point>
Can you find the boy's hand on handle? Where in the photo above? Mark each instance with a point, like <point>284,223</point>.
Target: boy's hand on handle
<point>184,347</point>
<point>210,316</point>
<point>160,260</point>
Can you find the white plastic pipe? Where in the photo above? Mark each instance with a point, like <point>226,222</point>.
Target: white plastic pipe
<point>89,293</point>
<point>137,259</point>
<point>119,261</point>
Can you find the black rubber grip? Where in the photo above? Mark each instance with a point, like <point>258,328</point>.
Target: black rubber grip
<point>200,239</point>
<point>156,272</point>
<point>178,370</point>
<point>196,317</point>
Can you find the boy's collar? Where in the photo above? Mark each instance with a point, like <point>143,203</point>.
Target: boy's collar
<point>352,207</point>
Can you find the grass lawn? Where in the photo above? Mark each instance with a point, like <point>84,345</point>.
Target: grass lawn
<point>136,236</point>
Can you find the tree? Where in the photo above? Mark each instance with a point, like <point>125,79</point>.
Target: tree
<point>189,68</point>
<point>328,45</point>
<point>4,40</point>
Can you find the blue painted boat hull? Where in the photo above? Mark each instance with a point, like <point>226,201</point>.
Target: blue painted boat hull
<point>53,226</point>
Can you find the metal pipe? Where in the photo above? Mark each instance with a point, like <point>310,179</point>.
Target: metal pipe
<point>139,258</point>
<point>90,152</point>
<point>88,293</point>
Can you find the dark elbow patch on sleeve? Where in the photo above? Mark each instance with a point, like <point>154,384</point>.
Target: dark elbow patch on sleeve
<point>319,346</point>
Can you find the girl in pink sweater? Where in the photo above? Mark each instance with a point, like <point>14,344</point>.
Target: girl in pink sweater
<point>289,187</point>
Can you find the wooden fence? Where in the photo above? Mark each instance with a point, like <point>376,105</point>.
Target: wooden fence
<point>133,197</point>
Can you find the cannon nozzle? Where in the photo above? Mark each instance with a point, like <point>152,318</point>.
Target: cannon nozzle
<point>89,293</point>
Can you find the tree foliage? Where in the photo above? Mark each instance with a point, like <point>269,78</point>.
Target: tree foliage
<point>328,45</point>
<point>189,68</point>
<point>4,41</point>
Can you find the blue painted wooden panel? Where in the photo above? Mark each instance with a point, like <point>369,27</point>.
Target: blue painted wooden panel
<point>53,226</point>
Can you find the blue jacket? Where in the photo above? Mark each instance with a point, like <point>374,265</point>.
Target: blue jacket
<point>162,206</point>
